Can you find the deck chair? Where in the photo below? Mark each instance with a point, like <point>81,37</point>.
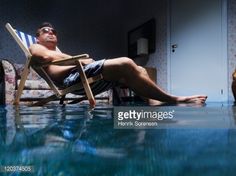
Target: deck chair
<point>24,41</point>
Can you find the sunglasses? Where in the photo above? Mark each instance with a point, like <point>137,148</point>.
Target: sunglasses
<point>48,30</point>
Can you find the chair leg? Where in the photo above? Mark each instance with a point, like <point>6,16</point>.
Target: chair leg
<point>62,99</point>
<point>22,82</point>
<point>46,100</point>
<point>86,85</point>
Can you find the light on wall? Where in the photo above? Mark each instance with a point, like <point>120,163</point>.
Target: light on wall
<point>142,39</point>
<point>142,46</point>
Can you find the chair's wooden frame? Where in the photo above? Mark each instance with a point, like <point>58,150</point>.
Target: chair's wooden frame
<point>39,68</point>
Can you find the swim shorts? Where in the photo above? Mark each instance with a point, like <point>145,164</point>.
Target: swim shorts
<point>92,69</point>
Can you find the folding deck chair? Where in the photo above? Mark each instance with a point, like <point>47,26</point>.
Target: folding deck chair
<point>24,41</point>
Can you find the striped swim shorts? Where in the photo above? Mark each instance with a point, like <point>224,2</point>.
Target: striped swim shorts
<point>92,69</point>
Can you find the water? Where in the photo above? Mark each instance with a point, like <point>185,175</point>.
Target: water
<point>74,140</point>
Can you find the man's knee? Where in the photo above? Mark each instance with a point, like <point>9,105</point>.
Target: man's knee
<point>142,70</point>
<point>119,68</point>
<point>127,64</point>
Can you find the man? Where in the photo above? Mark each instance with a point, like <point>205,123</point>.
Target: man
<point>118,70</point>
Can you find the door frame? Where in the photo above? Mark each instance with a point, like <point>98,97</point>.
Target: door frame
<point>224,57</point>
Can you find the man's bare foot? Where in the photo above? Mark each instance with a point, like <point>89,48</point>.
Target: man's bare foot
<point>198,99</point>
<point>153,102</point>
<point>190,100</point>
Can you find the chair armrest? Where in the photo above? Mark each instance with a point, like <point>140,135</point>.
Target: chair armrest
<point>67,61</point>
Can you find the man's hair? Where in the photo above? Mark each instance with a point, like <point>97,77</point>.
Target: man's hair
<point>44,24</point>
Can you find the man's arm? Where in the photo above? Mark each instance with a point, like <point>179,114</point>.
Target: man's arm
<point>40,51</point>
<point>46,55</point>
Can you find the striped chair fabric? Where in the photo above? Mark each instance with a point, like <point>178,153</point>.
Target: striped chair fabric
<point>26,39</point>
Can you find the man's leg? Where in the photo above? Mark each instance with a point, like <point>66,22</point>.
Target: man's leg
<point>125,71</point>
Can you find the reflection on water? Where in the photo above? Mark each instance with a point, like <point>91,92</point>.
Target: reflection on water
<point>72,140</point>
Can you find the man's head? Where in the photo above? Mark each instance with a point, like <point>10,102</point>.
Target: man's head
<point>47,35</point>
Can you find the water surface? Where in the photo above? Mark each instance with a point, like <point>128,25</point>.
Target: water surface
<point>74,140</point>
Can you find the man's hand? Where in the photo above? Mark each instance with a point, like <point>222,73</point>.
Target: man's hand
<point>86,61</point>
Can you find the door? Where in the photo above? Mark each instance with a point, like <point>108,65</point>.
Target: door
<point>198,52</point>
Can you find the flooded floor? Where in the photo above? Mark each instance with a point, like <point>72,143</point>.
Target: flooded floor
<point>75,140</point>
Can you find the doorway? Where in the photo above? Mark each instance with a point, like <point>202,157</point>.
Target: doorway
<point>197,48</point>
